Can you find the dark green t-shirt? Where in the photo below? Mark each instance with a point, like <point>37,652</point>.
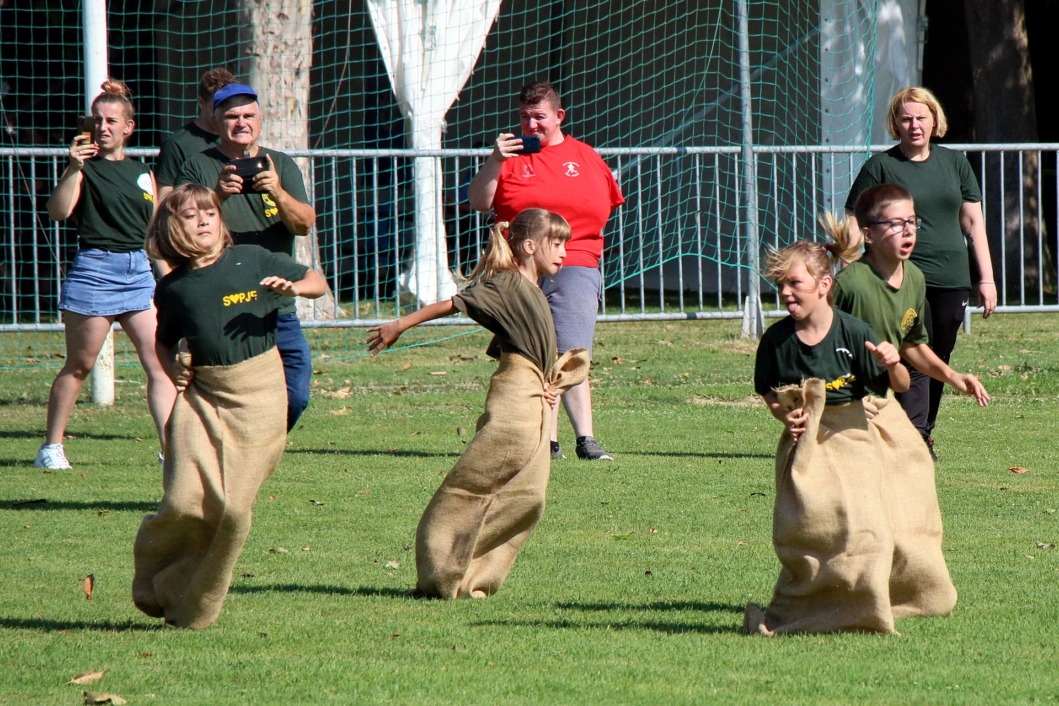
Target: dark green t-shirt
<point>178,148</point>
<point>222,310</point>
<point>939,185</point>
<point>115,206</point>
<point>896,315</point>
<point>848,369</point>
<point>253,218</point>
<point>517,312</point>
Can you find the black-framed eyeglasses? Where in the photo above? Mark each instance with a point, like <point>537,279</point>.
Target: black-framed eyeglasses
<point>898,225</point>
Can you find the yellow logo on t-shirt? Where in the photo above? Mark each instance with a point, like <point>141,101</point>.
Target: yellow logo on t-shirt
<point>909,320</point>
<point>839,383</point>
<point>240,297</point>
<point>271,209</point>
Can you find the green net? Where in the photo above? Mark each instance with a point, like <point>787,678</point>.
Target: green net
<point>657,87</point>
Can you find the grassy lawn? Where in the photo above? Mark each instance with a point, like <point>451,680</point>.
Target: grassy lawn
<point>631,590</point>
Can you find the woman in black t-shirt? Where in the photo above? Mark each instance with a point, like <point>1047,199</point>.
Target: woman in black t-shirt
<point>111,199</point>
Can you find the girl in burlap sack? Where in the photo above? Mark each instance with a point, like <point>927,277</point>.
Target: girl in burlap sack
<point>490,502</point>
<point>831,528</point>
<point>228,427</point>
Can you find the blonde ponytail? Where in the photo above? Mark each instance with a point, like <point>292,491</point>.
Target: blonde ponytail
<point>845,245</point>
<point>496,258</point>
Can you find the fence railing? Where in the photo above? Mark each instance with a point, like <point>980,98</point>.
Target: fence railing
<point>677,249</point>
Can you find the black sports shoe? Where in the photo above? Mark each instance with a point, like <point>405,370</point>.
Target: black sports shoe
<point>930,447</point>
<point>557,451</point>
<point>588,449</point>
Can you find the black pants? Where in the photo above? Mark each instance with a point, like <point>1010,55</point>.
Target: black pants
<point>943,316</point>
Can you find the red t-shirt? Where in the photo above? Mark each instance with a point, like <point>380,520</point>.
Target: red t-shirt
<point>569,179</point>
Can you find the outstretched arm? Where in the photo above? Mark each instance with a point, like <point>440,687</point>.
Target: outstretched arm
<point>928,363</point>
<point>383,336</point>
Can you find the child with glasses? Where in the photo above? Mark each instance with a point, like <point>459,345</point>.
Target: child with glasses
<point>887,290</point>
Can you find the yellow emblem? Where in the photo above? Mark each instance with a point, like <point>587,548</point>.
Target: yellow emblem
<point>909,320</point>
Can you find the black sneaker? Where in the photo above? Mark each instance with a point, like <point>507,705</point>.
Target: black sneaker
<point>557,451</point>
<point>588,449</point>
<point>930,447</point>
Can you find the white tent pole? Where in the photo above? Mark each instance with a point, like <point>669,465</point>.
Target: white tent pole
<point>94,14</point>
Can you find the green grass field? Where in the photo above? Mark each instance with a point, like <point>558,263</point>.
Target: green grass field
<point>631,590</point>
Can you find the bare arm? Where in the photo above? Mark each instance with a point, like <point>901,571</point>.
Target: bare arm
<point>928,363</point>
<point>793,419</point>
<point>973,224</point>
<point>311,286</point>
<point>385,335</point>
<point>67,192</point>
<point>482,189</point>
<point>890,359</point>
<point>179,374</point>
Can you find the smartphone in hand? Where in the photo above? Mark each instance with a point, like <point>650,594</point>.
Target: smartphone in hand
<point>86,125</point>
<point>531,144</point>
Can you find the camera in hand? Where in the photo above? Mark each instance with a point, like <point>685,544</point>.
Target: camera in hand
<point>248,168</point>
<point>531,144</point>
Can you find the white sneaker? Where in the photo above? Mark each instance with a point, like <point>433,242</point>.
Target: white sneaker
<point>51,456</point>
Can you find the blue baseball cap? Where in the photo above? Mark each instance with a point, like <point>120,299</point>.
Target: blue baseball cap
<point>230,91</point>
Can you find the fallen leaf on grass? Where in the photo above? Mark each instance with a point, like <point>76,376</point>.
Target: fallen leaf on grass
<point>407,366</point>
<point>278,550</point>
<point>439,372</point>
<point>393,565</point>
<point>87,585</point>
<point>1018,469</point>
<point>87,677</point>
<point>740,544</point>
<point>394,634</point>
<point>95,697</point>
<point>461,431</point>
<point>246,576</point>
<point>1044,545</point>
<point>364,492</point>
<point>648,573</point>
<point>317,502</point>
<point>307,548</point>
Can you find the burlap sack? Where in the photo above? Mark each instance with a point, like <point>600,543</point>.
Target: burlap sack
<point>491,500</point>
<point>225,437</point>
<point>919,579</point>
<point>856,525</point>
<point>830,529</point>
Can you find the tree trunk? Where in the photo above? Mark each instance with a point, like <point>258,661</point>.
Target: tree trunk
<point>278,42</point>
<point>1004,112</point>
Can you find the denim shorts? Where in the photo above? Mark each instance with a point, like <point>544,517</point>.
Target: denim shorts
<point>573,294</point>
<point>104,283</point>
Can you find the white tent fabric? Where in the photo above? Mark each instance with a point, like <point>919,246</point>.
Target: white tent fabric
<point>429,48</point>
<point>856,87</point>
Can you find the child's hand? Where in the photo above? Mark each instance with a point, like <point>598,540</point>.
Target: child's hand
<point>871,410</point>
<point>551,396</point>
<point>971,385</point>
<point>182,379</point>
<point>885,353</point>
<point>280,286</point>
<point>794,419</point>
<point>383,336</point>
